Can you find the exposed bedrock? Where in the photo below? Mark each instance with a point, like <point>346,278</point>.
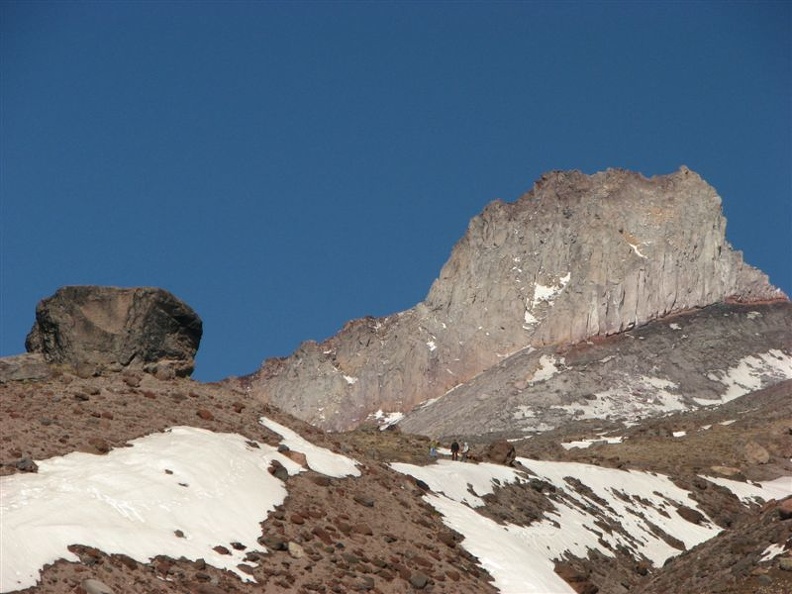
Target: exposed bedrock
<point>579,256</point>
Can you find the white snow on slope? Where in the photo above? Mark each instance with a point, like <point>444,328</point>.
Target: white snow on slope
<point>547,368</point>
<point>520,559</point>
<point>771,552</point>
<point>620,489</point>
<point>543,294</point>
<point>587,443</point>
<point>516,558</point>
<point>385,420</point>
<point>213,487</point>
<point>319,459</point>
<point>756,492</point>
<point>629,400</point>
<point>750,374</point>
<point>548,294</point>
<point>455,479</point>
<point>636,250</point>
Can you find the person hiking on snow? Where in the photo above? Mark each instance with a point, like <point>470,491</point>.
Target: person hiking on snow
<point>455,450</point>
<point>433,448</point>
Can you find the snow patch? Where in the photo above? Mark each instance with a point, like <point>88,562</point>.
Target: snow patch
<point>530,320</point>
<point>213,487</point>
<point>587,443</point>
<point>771,552</point>
<point>636,250</point>
<point>318,459</point>
<point>456,480</point>
<point>752,373</point>
<point>548,294</point>
<point>548,367</point>
<point>385,420</point>
<point>543,294</point>
<point>628,401</point>
<point>756,492</point>
<point>514,556</point>
<point>520,559</point>
<point>636,512</point>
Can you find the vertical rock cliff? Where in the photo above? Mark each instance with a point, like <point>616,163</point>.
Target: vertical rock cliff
<point>578,256</point>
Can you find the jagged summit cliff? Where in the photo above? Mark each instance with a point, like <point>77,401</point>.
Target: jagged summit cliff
<point>579,256</point>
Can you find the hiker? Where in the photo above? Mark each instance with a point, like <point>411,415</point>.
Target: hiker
<point>465,451</point>
<point>433,448</point>
<point>455,450</point>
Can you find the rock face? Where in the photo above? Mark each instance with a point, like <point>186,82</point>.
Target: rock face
<point>576,257</point>
<point>108,328</point>
<point>703,357</point>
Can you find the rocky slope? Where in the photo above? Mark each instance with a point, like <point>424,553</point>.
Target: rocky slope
<point>602,323</point>
<point>578,257</point>
<point>377,532</point>
<point>353,533</point>
<point>694,359</point>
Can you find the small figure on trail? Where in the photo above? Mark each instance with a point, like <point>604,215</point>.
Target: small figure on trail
<point>455,450</point>
<point>465,451</point>
<point>433,448</point>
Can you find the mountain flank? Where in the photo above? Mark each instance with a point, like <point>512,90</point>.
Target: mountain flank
<point>623,378</point>
<point>377,532</point>
<point>579,257</point>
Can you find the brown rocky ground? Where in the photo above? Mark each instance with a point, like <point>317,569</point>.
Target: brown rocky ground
<point>374,533</point>
<point>719,441</point>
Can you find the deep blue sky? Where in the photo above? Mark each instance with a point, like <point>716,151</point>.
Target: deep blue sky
<point>287,167</point>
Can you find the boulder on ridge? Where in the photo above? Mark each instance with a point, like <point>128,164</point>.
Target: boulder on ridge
<point>93,328</point>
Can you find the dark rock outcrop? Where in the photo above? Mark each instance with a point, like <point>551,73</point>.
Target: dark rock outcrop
<point>500,452</point>
<point>578,257</point>
<point>92,329</point>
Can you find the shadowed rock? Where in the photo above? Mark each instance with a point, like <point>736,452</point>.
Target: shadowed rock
<point>92,329</point>
<point>500,452</point>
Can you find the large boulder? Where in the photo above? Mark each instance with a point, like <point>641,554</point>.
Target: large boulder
<point>500,452</point>
<point>111,328</point>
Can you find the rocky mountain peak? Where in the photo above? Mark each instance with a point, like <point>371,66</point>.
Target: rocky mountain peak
<point>579,256</point>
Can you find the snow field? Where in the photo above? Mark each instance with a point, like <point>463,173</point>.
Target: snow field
<point>520,559</point>
<point>212,487</point>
